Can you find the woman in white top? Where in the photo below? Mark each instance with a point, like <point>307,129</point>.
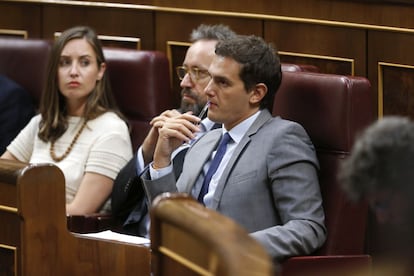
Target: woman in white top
<point>79,128</point>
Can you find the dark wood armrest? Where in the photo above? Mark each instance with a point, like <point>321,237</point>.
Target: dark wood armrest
<point>90,223</point>
<point>338,265</point>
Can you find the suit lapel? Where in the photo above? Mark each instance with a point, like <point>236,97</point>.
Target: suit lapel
<point>197,157</point>
<point>263,117</point>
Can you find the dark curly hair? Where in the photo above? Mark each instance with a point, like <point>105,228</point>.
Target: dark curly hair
<point>382,158</point>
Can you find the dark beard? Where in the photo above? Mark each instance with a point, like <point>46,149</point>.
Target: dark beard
<point>185,106</point>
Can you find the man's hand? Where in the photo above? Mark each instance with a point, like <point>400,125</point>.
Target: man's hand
<point>173,132</point>
<point>150,141</point>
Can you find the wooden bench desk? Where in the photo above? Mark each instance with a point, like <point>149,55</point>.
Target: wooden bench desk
<point>34,239</point>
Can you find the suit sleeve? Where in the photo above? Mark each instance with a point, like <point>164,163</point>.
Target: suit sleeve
<point>153,188</point>
<point>292,169</point>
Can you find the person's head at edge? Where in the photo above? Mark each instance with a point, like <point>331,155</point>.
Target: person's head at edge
<point>245,75</point>
<point>380,169</point>
<point>76,63</point>
<point>193,72</point>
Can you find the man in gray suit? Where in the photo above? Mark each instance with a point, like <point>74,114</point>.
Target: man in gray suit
<point>267,180</point>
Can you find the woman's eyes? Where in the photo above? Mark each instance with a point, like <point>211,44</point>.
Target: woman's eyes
<point>64,62</point>
<point>83,62</point>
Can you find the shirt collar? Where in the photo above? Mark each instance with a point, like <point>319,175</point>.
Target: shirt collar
<point>207,123</point>
<point>237,132</point>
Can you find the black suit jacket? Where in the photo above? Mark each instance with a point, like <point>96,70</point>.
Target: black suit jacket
<point>16,110</point>
<point>128,200</point>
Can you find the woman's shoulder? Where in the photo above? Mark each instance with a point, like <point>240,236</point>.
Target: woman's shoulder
<point>35,119</point>
<point>109,117</point>
<point>109,120</point>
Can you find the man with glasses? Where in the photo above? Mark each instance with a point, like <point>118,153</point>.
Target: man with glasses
<point>128,198</point>
<point>192,100</point>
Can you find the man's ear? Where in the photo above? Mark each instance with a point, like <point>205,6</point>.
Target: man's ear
<point>258,93</point>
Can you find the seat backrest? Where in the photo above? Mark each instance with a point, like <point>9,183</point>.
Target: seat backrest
<point>141,85</point>
<point>333,109</point>
<point>189,239</point>
<point>290,67</point>
<point>25,62</point>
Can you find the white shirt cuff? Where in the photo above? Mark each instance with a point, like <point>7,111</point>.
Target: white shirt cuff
<point>155,174</point>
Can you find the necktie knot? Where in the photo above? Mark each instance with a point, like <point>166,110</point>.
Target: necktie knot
<point>221,150</point>
<point>225,139</point>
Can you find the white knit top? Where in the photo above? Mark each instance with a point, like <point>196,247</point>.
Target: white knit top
<point>103,147</point>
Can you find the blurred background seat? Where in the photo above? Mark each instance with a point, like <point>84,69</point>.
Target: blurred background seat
<point>333,109</point>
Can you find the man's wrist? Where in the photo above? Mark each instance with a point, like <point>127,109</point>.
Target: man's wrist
<point>158,166</point>
<point>158,172</point>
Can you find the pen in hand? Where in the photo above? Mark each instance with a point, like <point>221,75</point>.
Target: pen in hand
<point>203,111</point>
<point>200,115</point>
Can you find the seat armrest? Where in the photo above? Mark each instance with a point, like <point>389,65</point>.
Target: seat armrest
<point>338,265</point>
<point>90,223</point>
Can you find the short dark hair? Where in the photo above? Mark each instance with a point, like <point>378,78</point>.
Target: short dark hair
<point>211,32</point>
<point>382,158</point>
<point>259,60</point>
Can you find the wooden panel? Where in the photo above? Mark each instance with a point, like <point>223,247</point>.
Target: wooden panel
<point>176,51</point>
<point>339,10</point>
<point>8,257</point>
<point>10,228</point>
<point>133,43</point>
<point>177,27</point>
<point>327,47</point>
<point>7,197</point>
<point>390,57</point>
<point>21,16</point>
<point>10,231</point>
<point>106,21</point>
<point>328,64</point>
<point>395,90</point>
<point>120,41</point>
<point>13,33</point>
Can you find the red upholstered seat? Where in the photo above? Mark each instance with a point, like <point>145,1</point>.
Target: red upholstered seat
<point>290,67</point>
<point>333,109</point>
<point>25,61</point>
<point>141,84</point>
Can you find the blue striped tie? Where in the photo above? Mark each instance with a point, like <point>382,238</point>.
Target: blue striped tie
<point>221,150</point>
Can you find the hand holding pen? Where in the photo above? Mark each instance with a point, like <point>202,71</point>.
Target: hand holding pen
<point>173,133</point>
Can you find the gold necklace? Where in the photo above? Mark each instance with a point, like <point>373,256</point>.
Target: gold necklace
<point>69,149</point>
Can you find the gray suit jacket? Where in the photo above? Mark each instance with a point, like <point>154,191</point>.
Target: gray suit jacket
<point>270,185</point>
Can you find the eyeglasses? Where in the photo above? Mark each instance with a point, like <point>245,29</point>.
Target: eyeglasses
<point>195,73</point>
